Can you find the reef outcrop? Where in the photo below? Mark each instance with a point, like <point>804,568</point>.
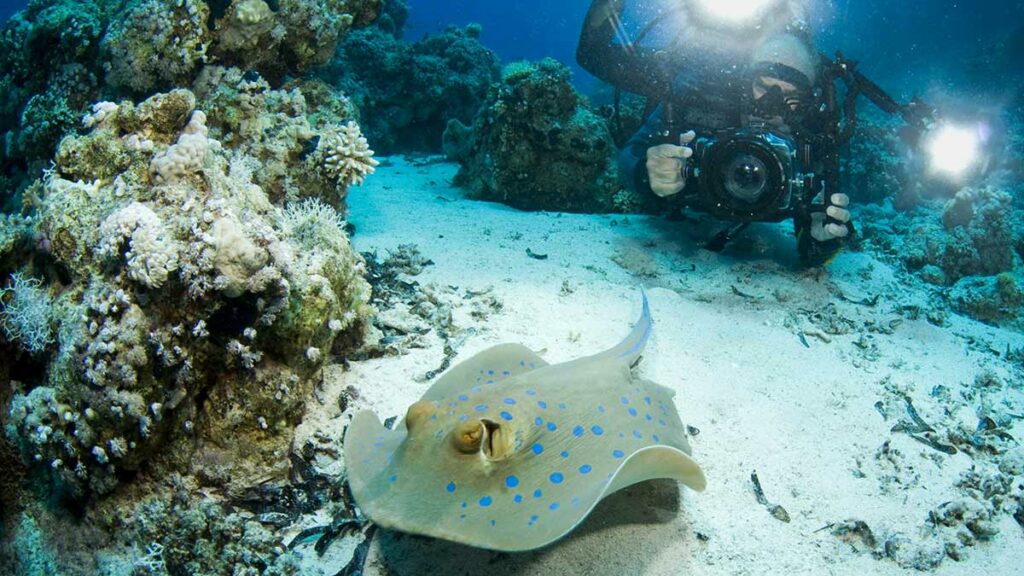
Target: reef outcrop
<point>169,302</point>
<point>536,145</point>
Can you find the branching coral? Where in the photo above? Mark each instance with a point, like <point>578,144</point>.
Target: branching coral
<point>25,313</point>
<point>346,156</point>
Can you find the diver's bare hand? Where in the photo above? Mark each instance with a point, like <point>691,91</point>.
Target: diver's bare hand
<point>822,230</point>
<point>666,163</point>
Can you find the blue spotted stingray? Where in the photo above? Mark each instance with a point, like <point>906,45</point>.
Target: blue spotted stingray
<point>509,453</point>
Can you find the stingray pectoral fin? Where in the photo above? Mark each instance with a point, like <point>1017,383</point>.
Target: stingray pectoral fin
<point>490,366</point>
<point>369,447</point>
<point>659,462</point>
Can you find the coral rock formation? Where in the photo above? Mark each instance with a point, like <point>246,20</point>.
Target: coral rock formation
<point>536,145</point>
<point>186,307</point>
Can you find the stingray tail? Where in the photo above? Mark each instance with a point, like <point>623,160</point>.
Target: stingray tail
<point>629,350</point>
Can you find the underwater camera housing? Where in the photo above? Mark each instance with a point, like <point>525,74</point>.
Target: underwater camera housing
<point>746,175</point>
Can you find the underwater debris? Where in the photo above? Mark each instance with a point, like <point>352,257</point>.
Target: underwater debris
<point>852,532</point>
<point>535,255</point>
<point>919,430</point>
<point>776,510</point>
<point>744,295</point>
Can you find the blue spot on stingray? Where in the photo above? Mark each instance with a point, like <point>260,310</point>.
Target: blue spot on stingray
<point>556,478</point>
<point>632,411</point>
<point>575,501</point>
<point>647,400</point>
<point>490,381</point>
<point>462,516</point>
<point>655,438</point>
<point>464,504</point>
<point>596,430</point>
<point>453,404</point>
<point>562,405</point>
<point>537,493</point>
<point>530,392</point>
<point>450,487</point>
<point>463,418</point>
<point>505,415</point>
<point>637,434</point>
<point>585,469</point>
<point>493,522</point>
<point>463,397</point>
<point>522,363</point>
<point>433,416</point>
<point>552,426</point>
<point>490,372</point>
<point>533,519</point>
<point>538,421</point>
<point>622,435</point>
<point>518,498</point>
<point>509,401</point>
<point>480,407</point>
<point>485,501</point>
<point>506,373</point>
<point>393,478</point>
<point>648,417</point>
<point>661,422</point>
<point>565,454</point>
<point>577,431</point>
<point>617,453</point>
<point>600,408</point>
<point>543,405</point>
<point>538,448</point>
<point>554,506</point>
<point>474,389</point>
<point>511,481</point>
<point>624,400</point>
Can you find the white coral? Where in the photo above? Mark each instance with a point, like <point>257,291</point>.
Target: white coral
<point>102,116</point>
<point>347,155</point>
<point>152,253</point>
<point>186,156</point>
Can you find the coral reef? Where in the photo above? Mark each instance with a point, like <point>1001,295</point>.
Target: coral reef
<point>156,44</point>
<point>536,145</point>
<point>304,149</point>
<point>187,307</point>
<point>873,166</point>
<point>413,89</point>
<point>59,56</point>
<point>284,36</point>
<point>971,246</point>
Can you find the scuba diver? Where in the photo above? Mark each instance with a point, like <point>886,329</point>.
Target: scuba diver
<point>742,118</point>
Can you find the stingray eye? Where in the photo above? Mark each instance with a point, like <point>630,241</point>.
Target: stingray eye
<point>468,437</point>
<point>417,413</point>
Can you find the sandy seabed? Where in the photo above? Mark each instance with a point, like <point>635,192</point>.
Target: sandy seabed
<point>779,369</point>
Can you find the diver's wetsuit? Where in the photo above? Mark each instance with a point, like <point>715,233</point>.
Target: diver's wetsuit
<point>705,89</point>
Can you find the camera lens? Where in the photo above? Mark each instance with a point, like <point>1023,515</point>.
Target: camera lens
<point>745,177</point>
